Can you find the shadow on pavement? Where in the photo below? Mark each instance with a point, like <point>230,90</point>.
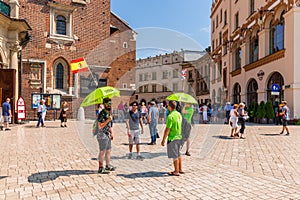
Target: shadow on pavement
<point>272,134</point>
<point>1,177</point>
<point>52,175</point>
<point>223,137</point>
<point>146,155</point>
<point>144,174</point>
<point>34,126</point>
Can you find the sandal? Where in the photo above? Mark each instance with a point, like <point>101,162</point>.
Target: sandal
<point>181,173</point>
<point>173,174</point>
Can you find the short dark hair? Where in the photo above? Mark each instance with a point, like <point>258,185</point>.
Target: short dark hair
<point>172,104</point>
<point>106,100</point>
<point>134,102</point>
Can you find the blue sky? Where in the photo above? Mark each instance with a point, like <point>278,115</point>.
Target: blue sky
<point>166,25</point>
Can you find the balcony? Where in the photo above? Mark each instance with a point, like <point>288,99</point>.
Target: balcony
<point>4,8</point>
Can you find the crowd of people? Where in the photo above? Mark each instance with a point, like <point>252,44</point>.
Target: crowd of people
<point>136,118</point>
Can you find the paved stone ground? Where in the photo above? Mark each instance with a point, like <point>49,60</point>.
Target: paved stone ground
<point>58,163</point>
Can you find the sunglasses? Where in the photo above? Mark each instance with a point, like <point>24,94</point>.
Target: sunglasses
<point>108,103</point>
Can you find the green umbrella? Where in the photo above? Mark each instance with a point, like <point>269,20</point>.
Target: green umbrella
<point>182,97</point>
<point>97,96</point>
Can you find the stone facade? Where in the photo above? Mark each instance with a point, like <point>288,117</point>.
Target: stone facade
<point>64,30</point>
<point>159,76</point>
<point>256,42</point>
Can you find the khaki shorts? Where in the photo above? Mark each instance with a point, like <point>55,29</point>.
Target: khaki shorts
<point>135,137</point>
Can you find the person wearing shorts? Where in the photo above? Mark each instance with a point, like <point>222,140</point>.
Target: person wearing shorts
<point>174,135</point>
<point>285,118</point>
<point>6,114</point>
<point>104,137</point>
<point>133,123</point>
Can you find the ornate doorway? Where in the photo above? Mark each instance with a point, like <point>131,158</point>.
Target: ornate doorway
<point>276,78</point>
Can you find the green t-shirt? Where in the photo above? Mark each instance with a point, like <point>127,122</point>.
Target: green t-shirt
<point>174,122</point>
<point>189,114</point>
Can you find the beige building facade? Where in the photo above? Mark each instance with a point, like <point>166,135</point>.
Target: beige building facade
<point>255,46</point>
<point>158,77</point>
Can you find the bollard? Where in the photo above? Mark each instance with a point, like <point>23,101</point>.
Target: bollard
<point>80,114</point>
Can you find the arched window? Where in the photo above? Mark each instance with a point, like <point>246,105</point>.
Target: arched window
<point>276,78</point>
<point>277,35</point>
<point>253,53</point>
<point>59,76</point>
<point>61,25</point>
<point>252,92</point>
<point>236,93</point>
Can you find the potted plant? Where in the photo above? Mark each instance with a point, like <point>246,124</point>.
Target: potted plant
<point>255,108</point>
<point>251,113</point>
<point>261,113</point>
<point>269,112</point>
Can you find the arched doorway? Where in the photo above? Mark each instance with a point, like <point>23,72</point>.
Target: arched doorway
<point>236,93</point>
<point>252,92</point>
<point>276,78</point>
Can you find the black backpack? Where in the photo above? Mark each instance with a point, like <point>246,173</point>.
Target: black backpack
<point>185,129</point>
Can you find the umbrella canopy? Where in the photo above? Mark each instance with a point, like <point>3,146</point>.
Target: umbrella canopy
<point>182,97</point>
<point>97,96</point>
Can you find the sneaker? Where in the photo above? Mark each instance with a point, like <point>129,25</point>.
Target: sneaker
<point>110,168</point>
<point>287,134</point>
<point>102,170</point>
<point>140,158</point>
<point>130,156</point>
<point>281,132</point>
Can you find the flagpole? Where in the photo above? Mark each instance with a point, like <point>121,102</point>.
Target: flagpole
<point>76,85</point>
<point>96,82</point>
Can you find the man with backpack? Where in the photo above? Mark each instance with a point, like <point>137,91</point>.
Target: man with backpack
<point>104,137</point>
<point>133,121</point>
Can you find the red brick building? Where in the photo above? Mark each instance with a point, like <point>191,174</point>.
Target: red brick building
<point>63,30</point>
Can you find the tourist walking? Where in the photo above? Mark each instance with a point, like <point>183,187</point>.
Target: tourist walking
<point>133,123</point>
<point>63,114</point>
<point>104,137</point>
<point>187,113</point>
<point>152,121</point>
<point>6,114</point>
<point>204,110</point>
<point>227,109</point>
<point>174,135</point>
<point>242,113</point>
<point>44,110</point>
<point>121,112</point>
<point>233,120</point>
<point>285,118</point>
<point>41,108</point>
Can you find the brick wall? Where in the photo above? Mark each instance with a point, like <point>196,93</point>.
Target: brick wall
<point>91,24</point>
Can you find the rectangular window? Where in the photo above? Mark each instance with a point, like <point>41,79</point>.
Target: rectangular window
<point>251,7</point>
<point>175,87</point>
<point>236,21</point>
<point>221,15</point>
<point>190,74</point>
<point>164,88</point>
<point>140,77</point>
<point>153,88</point>
<point>225,17</point>
<point>237,58</point>
<point>146,77</point>
<point>141,89</point>
<point>175,73</point>
<point>225,77</point>
<point>217,21</point>
<point>165,75</point>
<point>220,38</point>
<point>145,88</point>
<point>220,69</point>
<point>153,76</point>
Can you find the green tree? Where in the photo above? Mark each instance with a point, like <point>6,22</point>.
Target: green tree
<point>269,110</point>
<point>261,111</point>
<point>255,108</point>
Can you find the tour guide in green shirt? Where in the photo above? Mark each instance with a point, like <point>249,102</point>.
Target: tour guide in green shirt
<point>173,132</point>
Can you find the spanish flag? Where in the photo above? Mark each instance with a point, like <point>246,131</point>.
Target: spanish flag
<point>78,65</point>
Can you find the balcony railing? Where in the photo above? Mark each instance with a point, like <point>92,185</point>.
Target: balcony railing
<point>4,8</point>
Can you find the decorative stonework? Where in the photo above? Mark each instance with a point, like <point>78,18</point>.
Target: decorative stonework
<point>275,56</point>
<point>14,46</point>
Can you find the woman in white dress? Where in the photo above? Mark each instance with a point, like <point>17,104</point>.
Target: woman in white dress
<point>234,116</point>
<point>204,113</point>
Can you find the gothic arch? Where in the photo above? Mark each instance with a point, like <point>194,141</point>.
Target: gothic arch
<point>61,74</point>
<point>252,88</point>
<point>236,94</point>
